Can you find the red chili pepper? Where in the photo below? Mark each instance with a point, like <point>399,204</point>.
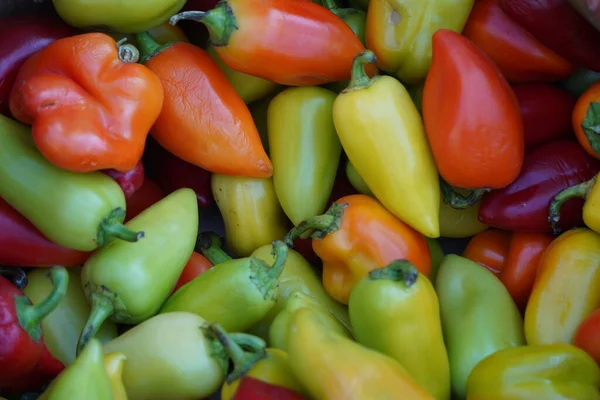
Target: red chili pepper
<point>143,198</point>
<point>21,345</point>
<point>196,265</point>
<point>255,389</point>
<point>46,369</point>
<point>130,181</point>
<point>549,169</point>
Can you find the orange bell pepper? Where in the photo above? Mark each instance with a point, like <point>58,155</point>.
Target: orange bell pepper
<point>90,104</point>
<point>203,120</point>
<point>357,235</point>
<point>586,120</point>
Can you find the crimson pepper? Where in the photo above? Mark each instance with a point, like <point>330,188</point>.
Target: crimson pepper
<point>148,194</point>
<point>255,389</point>
<point>21,344</point>
<point>46,369</point>
<point>547,170</point>
<point>130,181</point>
<point>558,26</point>
<point>23,36</point>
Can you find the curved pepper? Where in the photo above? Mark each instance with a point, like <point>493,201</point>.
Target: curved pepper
<point>569,269</point>
<point>479,317</point>
<point>129,181</point>
<point>586,120</point>
<point>588,190</point>
<point>91,105</point>
<point>47,369</point>
<point>385,308</point>
<point>356,235</point>
<point>549,372</point>
<point>114,364</point>
<point>382,134</point>
<point>587,336</point>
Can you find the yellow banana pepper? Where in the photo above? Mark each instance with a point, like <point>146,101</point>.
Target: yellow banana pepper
<point>400,32</point>
<point>382,134</point>
<point>114,363</point>
<point>545,372</point>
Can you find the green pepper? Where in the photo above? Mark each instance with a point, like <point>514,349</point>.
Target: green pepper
<point>85,379</point>
<point>416,94</point>
<point>360,4</point>
<point>437,256</point>
<point>235,294</point>
<point>63,326</point>
<point>130,282</point>
<point>259,110</point>
<point>304,149</point>
<point>356,180</point>
<point>479,317</point>
<point>580,81</point>
<point>78,211</point>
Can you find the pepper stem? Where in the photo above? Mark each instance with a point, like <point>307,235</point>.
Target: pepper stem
<point>112,227</point>
<point>128,53</point>
<point>149,47</point>
<point>209,245</point>
<point>265,277</point>
<point>220,22</point>
<point>320,225</point>
<point>581,190</point>
<point>16,275</point>
<point>398,270</point>
<point>102,309</point>
<point>31,316</point>
<point>459,201</point>
<point>330,4</point>
<point>359,78</point>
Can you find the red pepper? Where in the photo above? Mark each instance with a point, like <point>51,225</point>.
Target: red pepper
<point>557,25</point>
<point>255,389</point>
<point>46,369</point>
<point>21,345</point>
<point>143,198</point>
<point>130,181</point>
<point>549,169</point>
<point>196,265</point>
<point>546,112</point>
<point>22,244</point>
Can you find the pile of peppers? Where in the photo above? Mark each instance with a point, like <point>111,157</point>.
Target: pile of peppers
<point>341,144</point>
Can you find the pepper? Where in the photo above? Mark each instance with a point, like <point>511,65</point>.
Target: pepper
<point>588,9</point>
<point>385,308</point>
<point>460,223</point>
<point>557,25</point>
<point>77,211</point>
<point>356,180</point>
<point>130,283</point>
<point>114,364</point>
<point>547,170</point>
<point>47,369</point>
<point>255,389</point>
<point>479,317</point>
<point>519,56</point>
<point>23,36</point>
<point>394,159</point>
<point>293,44</point>
<point>555,371</point>
<point>569,269</point>
<point>586,120</point>
<point>193,81</point>
<point>129,181</point>
<point>437,257</point>
<point>331,366</point>
<point>196,265</point>
<point>63,326</point>
<point>148,194</point>
<point>21,332</point>
<point>587,335</point>
<point>259,110</point>
<point>587,190</point>
<point>304,149</point>
<point>91,105</point>
<point>355,18</point>
<point>399,32</point>
<point>469,109</point>
<point>580,81</point>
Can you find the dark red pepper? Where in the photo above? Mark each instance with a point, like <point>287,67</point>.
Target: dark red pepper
<point>46,369</point>
<point>148,194</point>
<point>547,112</point>
<point>23,245</point>
<point>255,389</point>
<point>21,344</point>
<point>523,205</point>
<point>129,181</point>
<point>23,36</point>
<point>557,25</point>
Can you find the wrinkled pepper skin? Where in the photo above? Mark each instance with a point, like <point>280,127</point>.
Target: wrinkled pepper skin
<point>114,364</point>
<point>382,134</point>
<point>460,223</point>
<point>479,317</point>
<point>304,149</point>
<point>549,372</point>
<point>586,120</point>
<point>569,269</point>
<point>346,370</point>
<point>519,56</point>
<point>384,310</point>
<point>587,336</point>
<point>251,212</point>
<point>547,170</point>
<point>90,104</point>
<point>399,32</point>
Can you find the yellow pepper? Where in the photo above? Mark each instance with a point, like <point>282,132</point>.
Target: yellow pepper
<point>400,32</point>
<point>590,191</point>
<point>382,134</point>
<point>460,223</point>
<point>114,363</point>
<point>566,289</point>
<point>544,372</point>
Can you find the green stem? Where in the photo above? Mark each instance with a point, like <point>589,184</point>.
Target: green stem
<point>112,227</point>
<point>31,316</point>
<point>581,190</point>
<point>457,200</point>
<point>149,47</point>
<point>220,22</point>
<point>359,78</point>
<point>102,309</point>
<point>17,276</point>
<point>209,245</point>
<point>399,270</point>
<point>280,252</point>
<point>320,225</point>
<point>266,277</point>
<point>330,5</point>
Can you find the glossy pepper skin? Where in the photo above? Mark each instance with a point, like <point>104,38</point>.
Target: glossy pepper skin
<point>547,170</point>
<point>382,134</point>
<point>552,372</point>
<point>519,56</point>
<point>23,36</point>
<point>587,336</point>
<point>399,32</point>
<point>556,24</point>
<point>588,190</point>
<point>77,211</point>
<point>91,105</point>
<point>290,43</point>
<point>196,265</point>
<point>304,149</point>
<point>385,308</point>
<point>222,138</point>
<point>114,364</point>
<point>129,181</point>
<point>586,120</point>
<point>479,317</point>
<point>569,269</point>
<point>148,194</point>
<point>356,235</point>
<point>47,369</point>
<point>255,389</point>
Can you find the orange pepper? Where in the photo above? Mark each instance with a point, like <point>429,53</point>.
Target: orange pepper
<point>587,336</point>
<point>91,105</point>
<point>203,120</point>
<point>357,235</point>
<point>196,265</point>
<point>586,119</point>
